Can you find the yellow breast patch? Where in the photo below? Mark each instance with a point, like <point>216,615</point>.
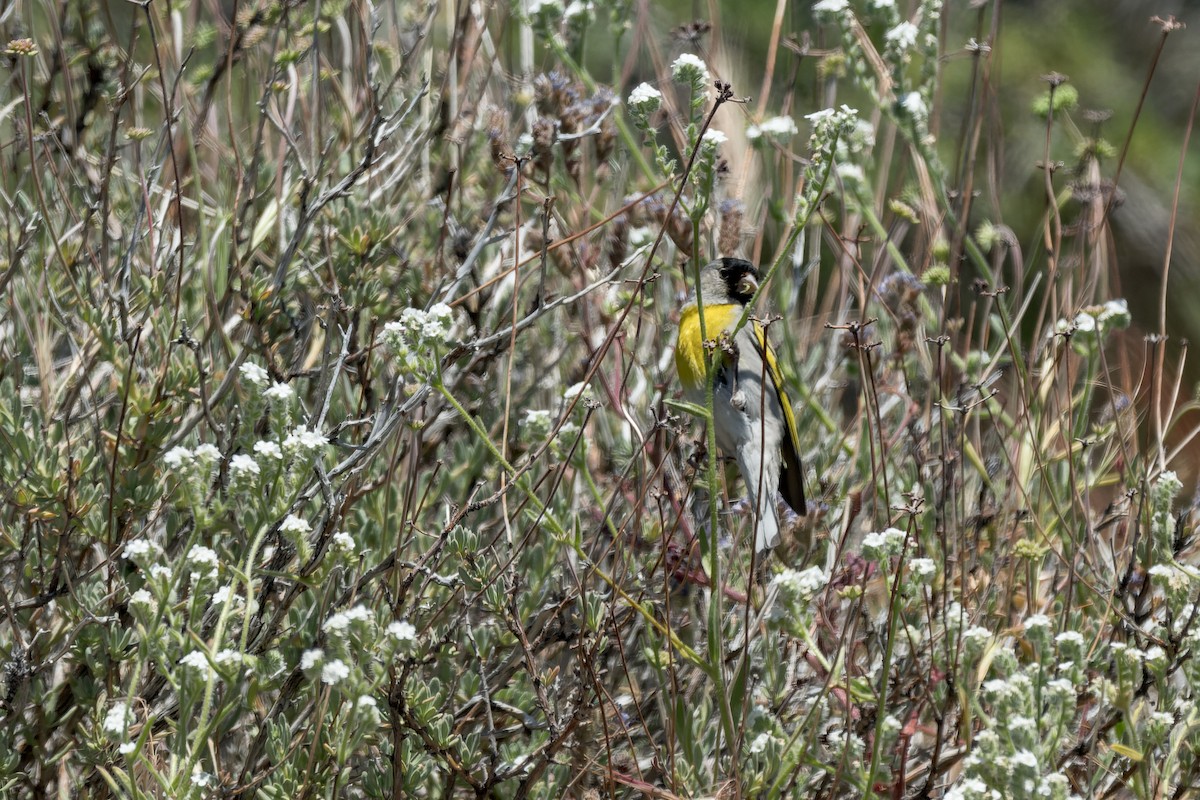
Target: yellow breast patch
<point>689,350</point>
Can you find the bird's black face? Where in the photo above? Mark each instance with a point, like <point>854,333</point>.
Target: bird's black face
<point>740,278</point>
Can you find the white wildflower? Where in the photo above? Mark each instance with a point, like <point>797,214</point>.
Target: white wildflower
<point>196,660</point>
<point>689,68</point>
<point>577,8</point>
<point>1085,323</point>
<point>802,583</point>
<point>203,561</point>
<point>923,569</point>
<point>334,672</point>
<point>254,374</point>
<point>549,8</point>
<point>402,631</point>
<point>1155,657</point>
<point>1070,639</point>
<point>879,546</point>
<point>228,656</point>
<point>305,438</point>
<point>903,36</point>
<point>310,658</point>
<point>208,454</point>
<point>438,322</point>
<point>243,466</point>
<point>138,548</point>
<point>344,542</point>
<point>269,450</point>
<point>1021,723</point>
<point>831,7</point>
<point>1115,314</point>
<point>914,105</point>
<point>851,172</point>
<point>280,393</point>
<point>775,127</point>
<point>975,638</point>
<point>343,619</point>
<point>227,594</point>
<point>176,457</point>
<point>294,524</point>
<point>644,100</point>
<point>761,743</point>
<point>202,779</point>
<point>117,720</point>
<point>1176,577</point>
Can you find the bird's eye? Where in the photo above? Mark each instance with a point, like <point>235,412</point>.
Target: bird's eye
<point>747,285</point>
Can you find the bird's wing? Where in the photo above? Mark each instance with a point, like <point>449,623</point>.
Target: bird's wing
<point>791,481</point>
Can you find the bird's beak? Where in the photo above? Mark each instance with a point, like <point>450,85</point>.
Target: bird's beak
<point>747,285</point>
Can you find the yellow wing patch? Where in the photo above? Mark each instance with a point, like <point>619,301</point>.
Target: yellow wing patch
<point>768,354</point>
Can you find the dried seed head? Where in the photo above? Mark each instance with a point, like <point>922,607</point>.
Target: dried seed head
<point>729,239</point>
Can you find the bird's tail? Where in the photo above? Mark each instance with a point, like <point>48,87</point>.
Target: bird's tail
<point>766,529</point>
<point>766,532</point>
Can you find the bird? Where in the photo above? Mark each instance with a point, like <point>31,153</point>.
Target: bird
<point>755,427</point>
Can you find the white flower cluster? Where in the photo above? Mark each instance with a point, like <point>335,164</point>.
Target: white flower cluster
<point>761,742</point>
<point>197,662</point>
<point>344,543</point>
<point>782,128</point>
<point>535,424</point>
<point>183,460</point>
<point>1095,321</point>
<point>545,9</point>
<point>831,8</point>
<point>117,720</point>
<point>244,467</point>
<point>922,570</point>
<point>579,10</point>
<point>690,69</point>
<point>340,622</point>
<point>902,37</point>
<point>418,337</point>
<point>203,561</point>
<point>829,127</point>
<point>711,141</point>
<point>830,123</point>
<point>332,672</point>
<point>802,584</point>
<point>254,375</point>
<point>295,525</point>
<point>913,104</point>
<point>1175,578</point>
<point>140,549</point>
<point>402,631</point>
<point>270,450</point>
<point>975,639</point>
<point>644,100</point>
<point>303,439</point>
<point>882,546</point>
